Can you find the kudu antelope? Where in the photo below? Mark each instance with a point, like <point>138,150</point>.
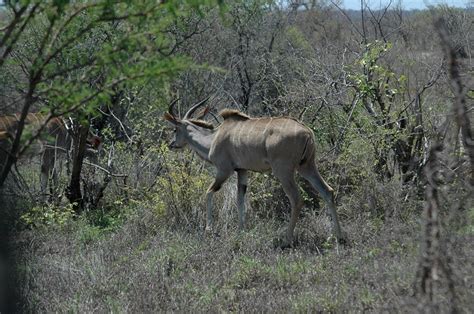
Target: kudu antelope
<point>54,145</point>
<point>241,143</point>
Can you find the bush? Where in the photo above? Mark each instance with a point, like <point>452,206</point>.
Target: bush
<point>48,215</point>
<point>177,196</point>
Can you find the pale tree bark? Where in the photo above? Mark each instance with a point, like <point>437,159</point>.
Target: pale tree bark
<point>460,105</point>
<point>434,264</point>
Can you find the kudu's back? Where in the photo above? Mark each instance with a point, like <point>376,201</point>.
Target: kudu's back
<point>257,144</point>
<point>54,133</point>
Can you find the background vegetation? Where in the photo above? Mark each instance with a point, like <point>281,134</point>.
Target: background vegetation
<point>379,88</point>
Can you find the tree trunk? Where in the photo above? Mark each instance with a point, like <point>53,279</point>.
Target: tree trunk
<point>73,192</point>
<point>16,145</point>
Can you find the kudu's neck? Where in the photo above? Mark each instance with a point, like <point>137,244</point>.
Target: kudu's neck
<point>200,139</point>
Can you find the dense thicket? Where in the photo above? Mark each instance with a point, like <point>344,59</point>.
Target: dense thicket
<point>374,85</point>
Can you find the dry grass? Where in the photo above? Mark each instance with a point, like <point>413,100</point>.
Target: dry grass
<point>144,266</point>
<point>150,254</point>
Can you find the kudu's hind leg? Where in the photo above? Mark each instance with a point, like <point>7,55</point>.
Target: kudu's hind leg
<point>44,177</point>
<point>311,174</point>
<point>47,167</point>
<point>220,178</point>
<point>242,181</point>
<point>287,179</point>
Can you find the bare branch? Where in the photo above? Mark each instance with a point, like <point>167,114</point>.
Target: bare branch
<point>460,107</point>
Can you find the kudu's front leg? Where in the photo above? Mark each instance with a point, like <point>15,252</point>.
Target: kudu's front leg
<point>242,182</point>
<point>220,178</point>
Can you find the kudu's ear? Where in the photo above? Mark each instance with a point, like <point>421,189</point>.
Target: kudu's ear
<point>190,112</point>
<point>203,112</point>
<point>97,142</point>
<point>170,118</point>
<point>4,135</point>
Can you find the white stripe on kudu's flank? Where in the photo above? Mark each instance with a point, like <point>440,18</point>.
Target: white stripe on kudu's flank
<point>266,126</point>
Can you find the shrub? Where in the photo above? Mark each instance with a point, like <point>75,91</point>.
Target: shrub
<point>178,193</point>
<point>48,215</point>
